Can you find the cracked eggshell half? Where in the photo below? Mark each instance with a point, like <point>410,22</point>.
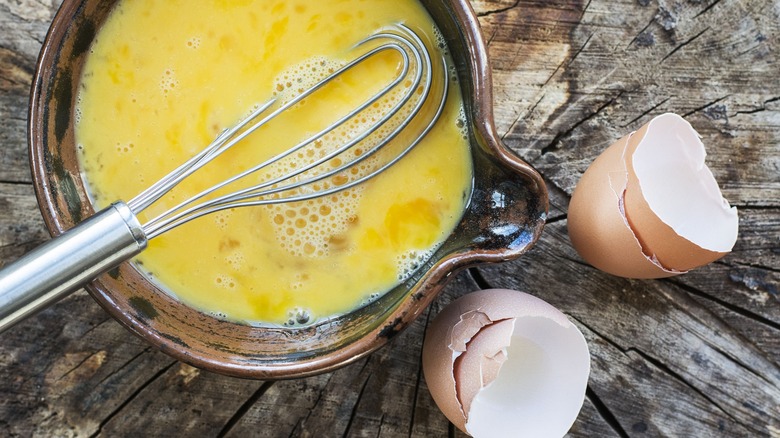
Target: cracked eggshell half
<point>648,206</point>
<point>504,363</point>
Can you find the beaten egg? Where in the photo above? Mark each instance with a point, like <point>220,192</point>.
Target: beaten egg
<point>164,78</point>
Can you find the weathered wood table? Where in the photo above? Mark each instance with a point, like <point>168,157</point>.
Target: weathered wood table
<point>696,355</point>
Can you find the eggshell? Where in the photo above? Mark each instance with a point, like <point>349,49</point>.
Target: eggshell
<point>680,153</point>
<point>598,227</point>
<point>499,335</point>
<point>616,229</point>
<point>486,355</point>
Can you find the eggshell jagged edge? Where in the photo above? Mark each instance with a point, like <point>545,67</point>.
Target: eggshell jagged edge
<point>465,347</point>
<point>614,228</point>
<point>689,226</point>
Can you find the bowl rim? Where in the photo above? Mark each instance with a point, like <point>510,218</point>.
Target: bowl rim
<point>404,313</point>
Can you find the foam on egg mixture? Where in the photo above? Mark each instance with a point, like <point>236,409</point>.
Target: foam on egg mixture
<point>165,77</point>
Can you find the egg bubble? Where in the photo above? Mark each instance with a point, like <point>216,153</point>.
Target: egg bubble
<point>219,315</point>
<point>304,75</point>
<point>225,281</point>
<point>453,71</point>
<point>371,298</point>
<point>235,260</point>
<point>298,317</point>
<point>411,261</point>
<point>168,82</point>
<point>193,43</point>
<point>222,218</point>
<point>438,38</point>
<point>461,122</point>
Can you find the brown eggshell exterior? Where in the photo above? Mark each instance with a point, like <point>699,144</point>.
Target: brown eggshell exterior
<point>480,364</point>
<point>480,309</point>
<point>598,229</point>
<point>673,251</point>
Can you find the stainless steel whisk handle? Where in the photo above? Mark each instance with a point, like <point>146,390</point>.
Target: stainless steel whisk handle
<point>65,263</point>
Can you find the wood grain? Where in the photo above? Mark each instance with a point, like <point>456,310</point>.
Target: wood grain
<point>696,355</point>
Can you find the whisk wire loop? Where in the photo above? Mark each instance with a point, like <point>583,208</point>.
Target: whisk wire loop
<point>225,142</point>
<point>415,60</point>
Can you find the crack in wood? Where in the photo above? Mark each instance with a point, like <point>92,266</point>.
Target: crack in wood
<point>132,397</point>
<point>557,139</point>
<point>756,207</point>
<point>324,387</point>
<point>652,20</point>
<point>317,402</point>
<point>23,244</point>
<point>295,428</point>
<point>577,53</point>
<point>498,11</point>
<point>67,373</point>
<point>663,368</point>
<point>419,373</point>
<point>703,107</point>
<point>762,108</point>
<point>381,423</point>
<point>16,182</point>
<point>552,75</point>
<point>492,36</point>
<point>606,339</point>
<point>751,265</point>
<point>705,10</point>
<point>576,261</point>
<point>479,279</point>
<point>532,109</point>
<point>244,408</point>
<point>95,326</point>
<point>668,371</point>
<point>584,10</point>
<point>647,112</point>
<point>750,49</point>
<point>124,365</point>
<point>568,62</point>
<point>743,365</point>
<point>355,408</point>
<point>520,117</point>
<point>697,312</point>
<point>557,189</point>
<point>555,219</point>
<point>731,307</point>
<point>683,44</point>
<point>753,111</point>
<point>605,413</point>
<point>365,365</point>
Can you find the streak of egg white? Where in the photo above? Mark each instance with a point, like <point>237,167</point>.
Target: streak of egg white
<point>540,388</point>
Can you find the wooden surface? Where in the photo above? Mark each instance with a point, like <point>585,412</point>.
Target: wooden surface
<point>696,355</point>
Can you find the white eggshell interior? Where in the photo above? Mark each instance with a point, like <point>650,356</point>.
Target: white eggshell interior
<point>680,188</point>
<point>540,388</point>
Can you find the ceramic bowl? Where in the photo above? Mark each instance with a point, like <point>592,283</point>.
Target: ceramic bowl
<point>505,216</point>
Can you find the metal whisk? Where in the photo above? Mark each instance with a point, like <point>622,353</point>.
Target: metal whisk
<point>115,234</point>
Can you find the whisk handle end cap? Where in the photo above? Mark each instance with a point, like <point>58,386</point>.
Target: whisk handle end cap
<point>67,262</point>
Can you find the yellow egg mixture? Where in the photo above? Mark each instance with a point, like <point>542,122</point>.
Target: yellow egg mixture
<point>165,77</point>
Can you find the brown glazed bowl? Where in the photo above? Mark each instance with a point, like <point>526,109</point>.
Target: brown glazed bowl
<point>504,218</point>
